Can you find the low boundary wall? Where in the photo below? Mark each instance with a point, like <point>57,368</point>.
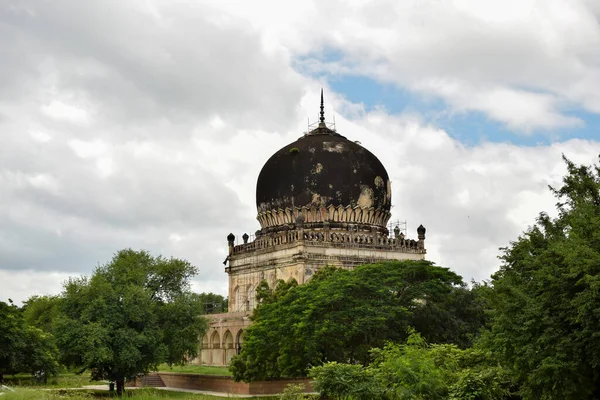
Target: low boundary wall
<point>226,384</point>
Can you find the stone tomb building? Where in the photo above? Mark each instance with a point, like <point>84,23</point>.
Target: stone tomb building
<point>321,200</point>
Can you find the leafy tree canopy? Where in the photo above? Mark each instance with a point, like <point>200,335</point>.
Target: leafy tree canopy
<point>339,315</point>
<point>23,347</point>
<point>134,313</point>
<point>40,311</point>
<point>11,343</point>
<point>213,303</point>
<point>546,296</point>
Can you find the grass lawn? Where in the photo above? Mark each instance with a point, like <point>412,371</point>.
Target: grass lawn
<point>66,380</point>
<point>26,387</point>
<point>196,369</point>
<point>138,394</point>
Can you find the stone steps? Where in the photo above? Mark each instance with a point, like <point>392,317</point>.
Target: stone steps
<point>151,380</point>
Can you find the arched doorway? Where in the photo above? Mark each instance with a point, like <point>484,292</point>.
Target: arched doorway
<point>238,341</point>
<point>228,346</point>
<point>205,350</point>
<point>216,356</point>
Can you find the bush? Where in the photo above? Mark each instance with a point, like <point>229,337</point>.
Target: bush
<point>416,371</point>
<point>295,391</point>
<point>345,381</point>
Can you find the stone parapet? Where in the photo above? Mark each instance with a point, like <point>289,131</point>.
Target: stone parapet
<point>330,238</point>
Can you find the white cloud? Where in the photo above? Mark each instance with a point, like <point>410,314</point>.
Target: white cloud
<point>518,109</point>
<point>20,285</point>
<point>61,111</point>
<point>495,11</point>
<point>152,135</point>
<point>540,54</point>
<point>40,136</point>
<point>87,149</point>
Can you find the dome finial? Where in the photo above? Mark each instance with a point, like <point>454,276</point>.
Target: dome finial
<point>322,118</point>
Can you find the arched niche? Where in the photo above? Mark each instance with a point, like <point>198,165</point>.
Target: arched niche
<point>228,340</point>
<point>215,340</point>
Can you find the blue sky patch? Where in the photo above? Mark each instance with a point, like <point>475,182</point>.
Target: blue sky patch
<point>470,128</point>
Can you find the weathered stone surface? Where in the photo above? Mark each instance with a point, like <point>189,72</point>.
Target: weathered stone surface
<point>319,172</point>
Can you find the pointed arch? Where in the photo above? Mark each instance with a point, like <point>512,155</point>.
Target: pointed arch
<point>227,340</point>
<point>239,340</point>
<point>251,297</point>
<point>215,340</point>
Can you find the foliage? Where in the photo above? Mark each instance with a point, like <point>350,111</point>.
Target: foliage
<point>40,311</point>
<point>546,296</point>
<point>482,384</point>
<point>339,315</point>
<point>61,380</point>
<point>266,295</point>
<point>415,371</point>
<point>131,315</point>
<point>11,343</point>
<point>212,303</point>
<point>409,371</point>
<point>346,381</point>
<point>294,392</point>
<point>25,348</point>
<point>41,355</point>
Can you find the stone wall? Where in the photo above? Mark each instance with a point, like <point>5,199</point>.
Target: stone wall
<point>226,384</point>
<point>286,257</point>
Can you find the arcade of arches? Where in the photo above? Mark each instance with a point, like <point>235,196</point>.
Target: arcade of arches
<point>220,345</point>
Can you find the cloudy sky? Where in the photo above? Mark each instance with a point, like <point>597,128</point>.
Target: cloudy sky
<point>144,124</point>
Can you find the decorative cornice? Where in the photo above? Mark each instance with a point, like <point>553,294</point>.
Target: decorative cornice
<point>319,216</point>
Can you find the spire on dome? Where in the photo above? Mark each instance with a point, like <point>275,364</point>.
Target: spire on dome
<point>321,127</point>
<point>322,117</point>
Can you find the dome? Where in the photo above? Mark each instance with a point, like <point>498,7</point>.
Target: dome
<point>323,180</point>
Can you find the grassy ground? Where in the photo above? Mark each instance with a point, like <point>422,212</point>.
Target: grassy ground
<point>66,380</point>
<point>60,387</point>
<point>196,369</point>
<point>26,387</point>
<point>137,394</point>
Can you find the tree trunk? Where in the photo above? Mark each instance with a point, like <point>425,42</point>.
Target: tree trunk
<point>120,386</point>
<point>1,377</point>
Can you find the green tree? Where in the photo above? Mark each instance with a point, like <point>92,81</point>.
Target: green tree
<point>134,313</point>
<point>40,356</point>
<point>213,303</point>
<point>25,348</point>
<point>40,311</point>
<point>11,338</point>
<point>546,296</point>
<point>339,315</point>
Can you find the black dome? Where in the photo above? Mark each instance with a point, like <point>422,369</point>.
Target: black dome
<point>320,170</point>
